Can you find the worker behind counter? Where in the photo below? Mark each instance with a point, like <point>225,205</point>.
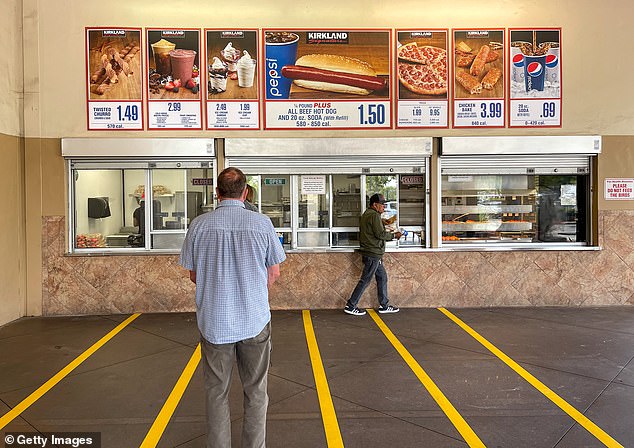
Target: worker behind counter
<point>138,220</point>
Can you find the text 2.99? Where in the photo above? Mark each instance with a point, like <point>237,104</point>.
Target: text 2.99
<point>174,107</point>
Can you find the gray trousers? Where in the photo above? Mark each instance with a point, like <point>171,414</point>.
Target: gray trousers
<point>253,357</point>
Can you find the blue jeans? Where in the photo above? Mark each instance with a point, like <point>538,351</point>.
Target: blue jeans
<point>372,267</point>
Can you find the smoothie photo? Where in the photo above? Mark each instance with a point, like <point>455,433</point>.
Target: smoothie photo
<point>173,64</point>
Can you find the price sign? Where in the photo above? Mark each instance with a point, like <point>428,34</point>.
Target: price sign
<point>535,113</point>
<point>301,115</point>
<point>478,94</point>
<point>232,115</point>
<point>479,113</point>
<point>421,67</point>
<point>114,91</point>
<point>302,93</point>
<point>232,90</point>
<point>422,114</point>
<point>174,79</point>
<point>114,115</point>
<point>174,115</point>
<point>535,77</point>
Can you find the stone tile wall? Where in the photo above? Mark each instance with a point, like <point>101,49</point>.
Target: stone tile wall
<point>140,283</point>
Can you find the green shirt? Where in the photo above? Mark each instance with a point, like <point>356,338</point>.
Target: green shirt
<point>373,234</point>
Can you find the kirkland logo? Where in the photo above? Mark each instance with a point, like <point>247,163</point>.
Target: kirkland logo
<point>323,37</point>
<point>477,34</point>
<point>421,34</point>
<point>114,32</point>
<point>172,33</point>
<point>232,34</point>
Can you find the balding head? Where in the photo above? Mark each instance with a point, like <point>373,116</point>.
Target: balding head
<point>231,183</point>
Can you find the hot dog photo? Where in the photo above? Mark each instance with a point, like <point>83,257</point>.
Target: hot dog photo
<point>326,64</point>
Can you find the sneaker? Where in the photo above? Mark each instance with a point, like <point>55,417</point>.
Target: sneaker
<point>354,311</point>
<point>388,309</point>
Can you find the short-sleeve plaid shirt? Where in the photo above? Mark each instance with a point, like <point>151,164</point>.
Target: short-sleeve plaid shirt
<point>230,250</point>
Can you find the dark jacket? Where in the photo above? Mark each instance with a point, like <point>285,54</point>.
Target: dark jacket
<point>373,234</point>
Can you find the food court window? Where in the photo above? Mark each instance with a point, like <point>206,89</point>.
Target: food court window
<point>528,192</point>
<point>514,209</point>
<point>323,210</point>
<point>128,206</point>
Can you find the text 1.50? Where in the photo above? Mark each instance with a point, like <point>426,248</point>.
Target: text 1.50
<point>371,113</point>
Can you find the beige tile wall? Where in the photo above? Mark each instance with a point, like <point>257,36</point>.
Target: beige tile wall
<point>125,284</point>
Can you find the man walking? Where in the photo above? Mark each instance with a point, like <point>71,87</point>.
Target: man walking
<point>372,238</point>
<point>233,256</point>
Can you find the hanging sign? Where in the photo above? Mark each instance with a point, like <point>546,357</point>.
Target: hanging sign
<point>232,84</point>
<point>534,60</point>
<point>173,79</point>
<point>478,72</point>
<point>421,68</point>
<point>113,84</point>
<point>325,78</point>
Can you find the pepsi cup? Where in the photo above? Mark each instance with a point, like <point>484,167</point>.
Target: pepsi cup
<point>552,63</point>
<point>280,50</point>
<point>517,63</point>
<point>534,72</point>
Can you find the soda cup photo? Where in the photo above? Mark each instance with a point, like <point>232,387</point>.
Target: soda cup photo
<point>552,63</point>
<point>534,72</point>
<point>280,49</point>
<point>517,60</point>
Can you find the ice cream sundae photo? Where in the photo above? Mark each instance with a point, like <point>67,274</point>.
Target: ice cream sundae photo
<point>231,65</point>
<point>218,72</point>
<point>231,56</point>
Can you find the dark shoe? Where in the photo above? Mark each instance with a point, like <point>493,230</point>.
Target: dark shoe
<point>388,309</point>
<point>354,311</point>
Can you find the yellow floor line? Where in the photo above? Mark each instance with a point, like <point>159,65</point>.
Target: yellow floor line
<point>44,388</point>
<point>563,404</point>
<point>328,415</point>
<point>158,427</point>
<point>460,424</point>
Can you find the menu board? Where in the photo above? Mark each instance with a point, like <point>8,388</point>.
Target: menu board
<point>113,79</point>
<point>173,79</point>
<point>534,57</point>
<point>327,78</point>
<point>421,69</point>
<point>478,71</point>
<point>232,84</point>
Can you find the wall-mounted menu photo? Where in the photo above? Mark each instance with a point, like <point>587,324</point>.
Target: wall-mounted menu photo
<point>478,64</point>
<point>347,72</point>
<point>114,84</point>
<point>232,84</point>
<point>421,67</point>
<point>173,79</point>
<point>478,72</point>
<point>173,64</point>
<point>535,77</point>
